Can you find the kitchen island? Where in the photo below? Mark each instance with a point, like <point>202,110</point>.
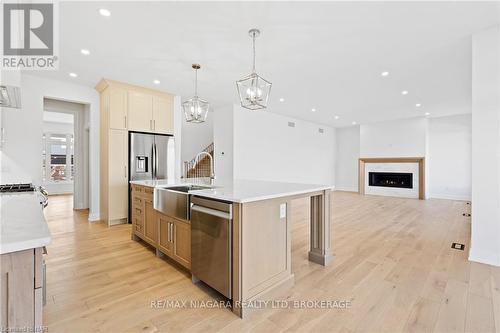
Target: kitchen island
<point>261,232</point>
<point>23,235</point>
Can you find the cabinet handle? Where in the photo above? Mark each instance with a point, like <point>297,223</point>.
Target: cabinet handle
<point>125,168</point>
<point>154,124</point>
<point>150,124</point>
<point>171,232</point>
<point>125,121</point>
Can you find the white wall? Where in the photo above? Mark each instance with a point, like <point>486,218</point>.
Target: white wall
<point>445,143</point>
<point>21,153</point>
<point>266,148</point>
<point>346,166</point>
<point>449,157</point>
<point>485,231</point>
<point>196,137</point>
<point>398,138</point>
<point>223,142</point>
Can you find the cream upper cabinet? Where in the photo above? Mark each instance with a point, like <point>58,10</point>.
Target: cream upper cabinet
<point>140,111</point>
<point>117,176</point>
<point>117,105</point>
<point>163,114</point>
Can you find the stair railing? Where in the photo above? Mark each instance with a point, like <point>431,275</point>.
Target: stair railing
<point>194,168</point>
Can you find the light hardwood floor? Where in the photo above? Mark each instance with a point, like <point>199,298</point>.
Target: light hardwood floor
<point>393,262</point>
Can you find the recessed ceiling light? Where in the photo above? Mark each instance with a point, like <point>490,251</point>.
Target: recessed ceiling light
<point>104,12</point>
<point>427,113</point>
<point>282,99</point>
<point>384,73</point>
<point>418,105</point>
<point>85,51</point>
<point>404,92</point>
<point>336,117</point>
<point>73,74</point>
<point>354,123</point>
<point>156,81</point>
<point>313,110</point>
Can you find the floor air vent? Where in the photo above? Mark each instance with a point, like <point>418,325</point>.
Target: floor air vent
<point>458,246</point>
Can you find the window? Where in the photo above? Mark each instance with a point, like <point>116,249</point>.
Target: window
<point>57,157</point>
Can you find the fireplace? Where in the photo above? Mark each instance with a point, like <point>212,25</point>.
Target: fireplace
<point>392,176</point>
<point>391,179</point>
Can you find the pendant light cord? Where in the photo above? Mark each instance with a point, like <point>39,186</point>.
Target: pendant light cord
<point>196,82</point>
<point>253,37</point>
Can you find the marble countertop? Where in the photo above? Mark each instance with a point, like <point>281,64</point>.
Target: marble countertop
<point>240,191</point>
<point>22,223</point>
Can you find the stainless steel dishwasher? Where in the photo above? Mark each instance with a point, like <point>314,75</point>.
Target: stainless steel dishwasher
<point>211,243</point>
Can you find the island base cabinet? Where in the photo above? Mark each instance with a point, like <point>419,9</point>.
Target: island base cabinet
<point>168,235</point>
<point>165,239</point>
<point>182,243</point>
<point>21,291</point>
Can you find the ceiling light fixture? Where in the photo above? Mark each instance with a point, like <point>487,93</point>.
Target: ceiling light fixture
<point>313,110</point>
<point>73,74</point>
<point>85,51</point>
<point>418,105</point>
<point>427,113</point>
<point>404,92</point>
<point>253,89</point>
<point>282,99</point>
<point>336,117</point>
<point>384,73</point>
<point>354,123</point>
<point>156,82</point>
<point>195,108</point>
<point>104,12</point>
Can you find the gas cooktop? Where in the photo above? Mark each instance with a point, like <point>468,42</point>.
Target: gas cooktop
<point>13,188</point>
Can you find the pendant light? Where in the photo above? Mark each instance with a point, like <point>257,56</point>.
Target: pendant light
<point>195,108</point>
<point>254,90</point>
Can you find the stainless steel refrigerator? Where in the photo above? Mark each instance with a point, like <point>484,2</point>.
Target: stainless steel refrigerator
<point>151,156</point>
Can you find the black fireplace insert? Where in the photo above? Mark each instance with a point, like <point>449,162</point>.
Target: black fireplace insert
<point>390,179</point>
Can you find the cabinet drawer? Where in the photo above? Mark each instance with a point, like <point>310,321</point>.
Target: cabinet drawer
<point>137,189</point>
<point>148,192</point>
<point>136,200</point>
<point>137,211</point>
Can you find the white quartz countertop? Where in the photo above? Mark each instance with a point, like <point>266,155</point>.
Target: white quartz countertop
<point>22,223</point>
<point>240,191</point>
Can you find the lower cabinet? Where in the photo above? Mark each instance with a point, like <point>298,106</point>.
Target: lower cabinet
<point>169,235</point>
<point>150,223</point>
<point>182,243</point>
<point>21,291</point>
<point>165,239</point>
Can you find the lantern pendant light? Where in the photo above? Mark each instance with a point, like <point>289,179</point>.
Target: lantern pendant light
<point>254,90</point>
<point>195,108</point>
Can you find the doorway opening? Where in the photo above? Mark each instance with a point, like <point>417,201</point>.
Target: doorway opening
<point>65,152</point>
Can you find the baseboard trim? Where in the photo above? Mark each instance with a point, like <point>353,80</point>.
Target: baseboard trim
<point>449,197</point>
<point>484,260</point>
<point>94,217</point>
<point>346,189</point>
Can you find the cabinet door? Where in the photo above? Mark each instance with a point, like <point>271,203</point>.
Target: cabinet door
<point>150,222</point>
<point>17,296</point>
<point>165,235</point>
<point>137,213</point>
<point>118,176</point>
<point>163,114</point>
<point>182,243</point>
<point>117,108</point>
<point>140,112</point>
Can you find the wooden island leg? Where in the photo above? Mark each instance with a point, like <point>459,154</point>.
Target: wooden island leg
<point>321,247</point>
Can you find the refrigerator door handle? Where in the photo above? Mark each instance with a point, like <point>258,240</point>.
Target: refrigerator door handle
<point>156,161</point>
<point>153,157</point>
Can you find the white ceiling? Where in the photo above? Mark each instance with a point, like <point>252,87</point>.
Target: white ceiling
<point>326,56</point>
